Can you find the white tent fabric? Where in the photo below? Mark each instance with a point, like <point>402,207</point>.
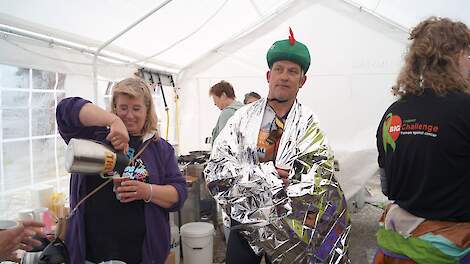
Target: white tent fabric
<point>356,49</point>
<point>409,13</point>
<point>94,22</point>
<point>355,60</point>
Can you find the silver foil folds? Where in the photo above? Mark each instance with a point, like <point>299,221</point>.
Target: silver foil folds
<point>304,222</point>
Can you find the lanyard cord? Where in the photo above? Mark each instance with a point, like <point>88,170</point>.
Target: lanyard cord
<point>108,180</point>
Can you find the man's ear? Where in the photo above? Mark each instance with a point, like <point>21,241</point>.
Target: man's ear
<point>303,79</point>
<point>268,74</point>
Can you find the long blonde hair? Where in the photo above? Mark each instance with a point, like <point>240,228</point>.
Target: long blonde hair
<point>137,88</point>
<point>432,58</point>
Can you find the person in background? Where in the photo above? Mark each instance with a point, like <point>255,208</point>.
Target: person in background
<point>251,97</point>
<point>134,228</point>
<point>423,141</point>
<point>20,237</point>
<point>271,170</point>
<point>224,98</point>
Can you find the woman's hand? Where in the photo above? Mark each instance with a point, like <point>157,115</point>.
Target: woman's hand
<point>92,115</point>
<point>118,135</point>
<point>284,174</point>
<point>32,228</point>
<point>133,190</point>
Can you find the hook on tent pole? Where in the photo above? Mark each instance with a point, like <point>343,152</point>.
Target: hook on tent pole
<point>156,78</point>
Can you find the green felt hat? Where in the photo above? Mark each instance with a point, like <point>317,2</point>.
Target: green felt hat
<point>291,50</point>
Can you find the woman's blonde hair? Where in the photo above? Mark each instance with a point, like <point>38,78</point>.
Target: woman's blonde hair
<point>432,58</point>
<point>137,88</point>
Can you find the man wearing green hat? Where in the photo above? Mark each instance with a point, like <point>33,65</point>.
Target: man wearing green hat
<point>271,170</point>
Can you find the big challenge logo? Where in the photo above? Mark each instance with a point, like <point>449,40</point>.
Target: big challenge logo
<point>393,127</point>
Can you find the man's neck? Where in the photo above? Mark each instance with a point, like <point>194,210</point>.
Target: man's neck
<point>228,102</point>
<point>281,109</point>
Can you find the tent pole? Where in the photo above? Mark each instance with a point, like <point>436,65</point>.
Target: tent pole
<point>58,42</point>
<point>377,15</point>
<point>54,41</point>
<point>104,45</point>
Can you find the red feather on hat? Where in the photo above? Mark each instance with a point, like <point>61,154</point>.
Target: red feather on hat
<point>291,37</point>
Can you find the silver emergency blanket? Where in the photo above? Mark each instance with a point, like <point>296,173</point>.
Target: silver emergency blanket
<point>305,222</point>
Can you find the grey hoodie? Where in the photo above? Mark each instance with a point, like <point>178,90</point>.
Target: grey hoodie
<point>224,117</point>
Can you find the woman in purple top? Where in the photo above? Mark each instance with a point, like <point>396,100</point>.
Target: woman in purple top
<point>134,228</point>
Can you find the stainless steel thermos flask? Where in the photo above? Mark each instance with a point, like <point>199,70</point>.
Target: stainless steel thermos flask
<point>91,157</point>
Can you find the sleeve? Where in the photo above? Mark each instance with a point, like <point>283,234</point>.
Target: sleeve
<point>68,120</point>
<point>463,119</point>
<point>174,178</point>
<point>379,141</point>
<point>381,156</point>
<point>221,122</point>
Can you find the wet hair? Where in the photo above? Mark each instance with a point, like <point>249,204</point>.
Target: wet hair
<point>432,58</point>
<point>222,87</point>
<point>251,94</point>
<point>137,88</point>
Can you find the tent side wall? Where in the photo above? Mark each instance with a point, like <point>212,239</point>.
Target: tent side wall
<point>34,77</point>
<point>355,61</point>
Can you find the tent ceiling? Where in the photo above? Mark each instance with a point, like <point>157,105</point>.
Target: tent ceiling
<point>408,13</point>
<point>184,30</point>
<point>94,22</point>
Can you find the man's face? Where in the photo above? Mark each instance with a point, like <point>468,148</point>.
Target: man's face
<point>285,79</point>
<point>219,101</point>
<point>250,99</point>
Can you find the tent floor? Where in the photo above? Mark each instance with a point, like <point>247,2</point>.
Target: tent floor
<point>364,225</point>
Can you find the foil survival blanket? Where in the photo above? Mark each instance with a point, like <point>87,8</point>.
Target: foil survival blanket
<point>304,222</point>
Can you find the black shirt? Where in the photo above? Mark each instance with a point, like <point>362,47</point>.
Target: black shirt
<point>113,230</point>
<point>424,147</point>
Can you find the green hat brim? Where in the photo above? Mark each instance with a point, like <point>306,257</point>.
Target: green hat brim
<point>283,50</point>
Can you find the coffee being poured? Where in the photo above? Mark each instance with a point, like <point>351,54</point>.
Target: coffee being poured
<point>91,157</point>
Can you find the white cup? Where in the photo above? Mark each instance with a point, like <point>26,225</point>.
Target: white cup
<point>30,257</point>
<point>39,214</point>
<point>26,215</point>
<point>43,215</point>
<point>117,183</point>
<point>8,224</point>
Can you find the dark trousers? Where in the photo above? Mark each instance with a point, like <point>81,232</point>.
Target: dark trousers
<point>239,250</point>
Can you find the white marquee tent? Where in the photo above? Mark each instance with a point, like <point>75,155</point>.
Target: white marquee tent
<point>50,49</point>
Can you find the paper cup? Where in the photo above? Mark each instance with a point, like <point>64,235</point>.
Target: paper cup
<point>117,182</point>
<point>26,215</point>
<point>43,215</point>
<point>31,257</point>
<point>40,213</point>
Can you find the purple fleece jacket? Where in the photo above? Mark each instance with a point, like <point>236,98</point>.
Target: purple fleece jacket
<point>159,158</point>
